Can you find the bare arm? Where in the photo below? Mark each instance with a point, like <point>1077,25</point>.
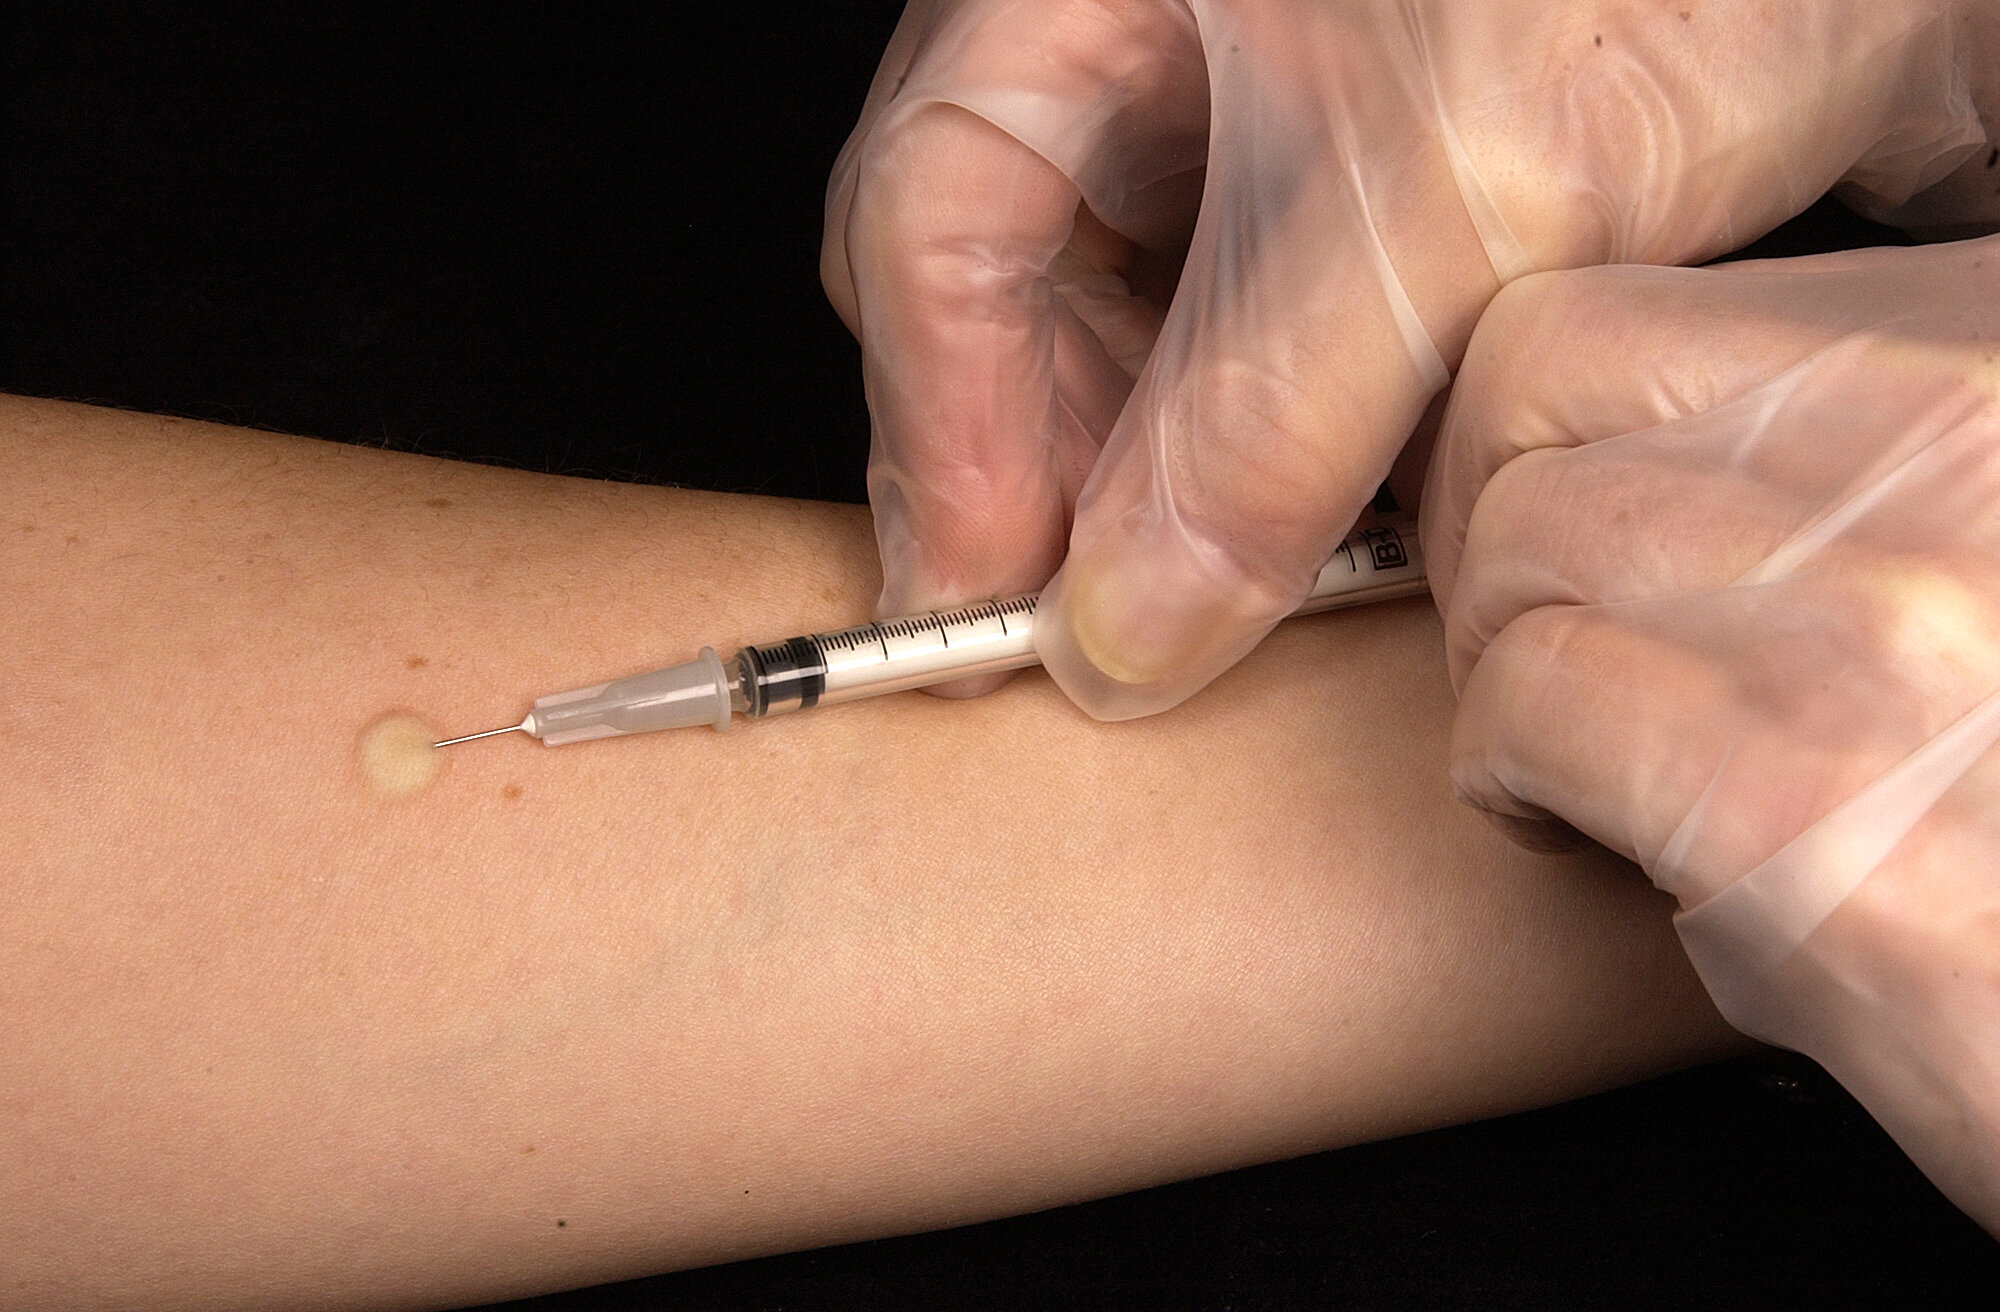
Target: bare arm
<point>575,1014</point>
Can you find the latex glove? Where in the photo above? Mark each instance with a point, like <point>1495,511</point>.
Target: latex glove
<point>1719,553</point>
<point>1282,219</point>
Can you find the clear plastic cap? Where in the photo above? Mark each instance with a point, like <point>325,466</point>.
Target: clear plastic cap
<point>680,696</point>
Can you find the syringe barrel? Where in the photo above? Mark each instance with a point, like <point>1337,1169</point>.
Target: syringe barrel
<point>868,660</point>
<point>1376,563</point>
<point>887,656</point>
<point>920,650</point>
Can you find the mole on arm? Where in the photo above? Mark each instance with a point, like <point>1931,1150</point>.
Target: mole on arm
<point>396,758</point>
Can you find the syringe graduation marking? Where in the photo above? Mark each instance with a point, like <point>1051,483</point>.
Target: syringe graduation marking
<point>941,623</point>
<point>851,639</point>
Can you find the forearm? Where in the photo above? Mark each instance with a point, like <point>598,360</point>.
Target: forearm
<point>581,1013</point>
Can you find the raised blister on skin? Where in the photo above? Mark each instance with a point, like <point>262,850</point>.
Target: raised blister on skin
<point>396,757</point>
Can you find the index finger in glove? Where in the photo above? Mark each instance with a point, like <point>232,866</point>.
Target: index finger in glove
<point>959,327</point>
<point>952,210</point>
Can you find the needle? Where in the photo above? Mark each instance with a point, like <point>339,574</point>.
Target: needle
<point>512,728</point>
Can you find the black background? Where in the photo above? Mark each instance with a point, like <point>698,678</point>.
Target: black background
<point>589,245</point>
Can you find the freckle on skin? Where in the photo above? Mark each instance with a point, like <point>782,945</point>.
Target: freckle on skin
<point>395,756</point>
<point>416,662</point>
<point>512,792</point>
<point>439,503</point>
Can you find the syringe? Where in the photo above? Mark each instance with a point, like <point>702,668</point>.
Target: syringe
<point>823,669</point>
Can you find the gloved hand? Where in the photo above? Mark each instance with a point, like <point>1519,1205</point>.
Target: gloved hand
<point>1239,243</point>
<point>1719,555</point>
